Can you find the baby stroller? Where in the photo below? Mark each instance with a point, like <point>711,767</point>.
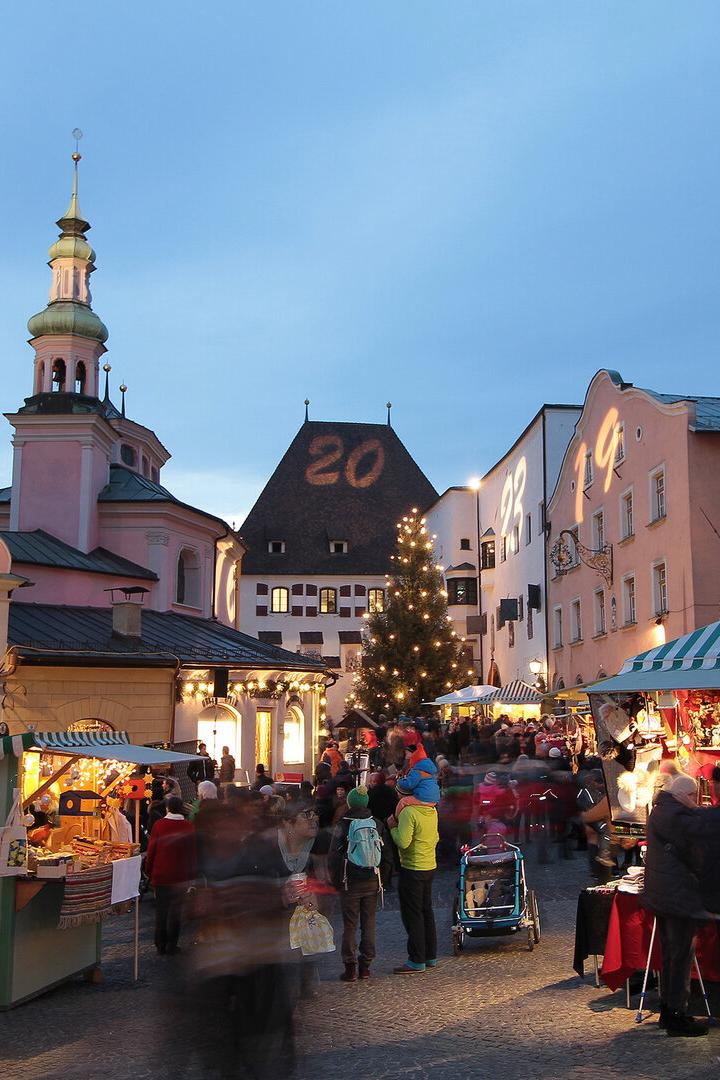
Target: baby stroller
<point>493,897</point>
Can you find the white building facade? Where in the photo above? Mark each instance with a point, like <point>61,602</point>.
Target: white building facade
<point>493,535</point>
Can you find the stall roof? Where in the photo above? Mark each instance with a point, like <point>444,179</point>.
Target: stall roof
<point>690,662</point>
<point>518,693</point>
<point>113,746</point>
<point>469,695</point>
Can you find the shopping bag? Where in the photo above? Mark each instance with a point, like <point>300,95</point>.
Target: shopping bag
<point>311,932</point>
<point>14,844</point>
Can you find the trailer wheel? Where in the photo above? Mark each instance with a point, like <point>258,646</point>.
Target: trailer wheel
<point>535,914</point>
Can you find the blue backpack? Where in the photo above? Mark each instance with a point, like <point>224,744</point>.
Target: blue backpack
<point>363,851</point>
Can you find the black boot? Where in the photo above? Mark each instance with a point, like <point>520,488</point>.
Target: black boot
<point>349,974</point>
<point>680,1025</point>
<point>663,1017</point>
<point>364,970</point>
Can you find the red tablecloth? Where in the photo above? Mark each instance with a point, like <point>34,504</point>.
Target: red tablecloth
<point>628,941</point>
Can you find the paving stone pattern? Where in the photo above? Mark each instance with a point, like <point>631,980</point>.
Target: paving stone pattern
<point>496,1011</point>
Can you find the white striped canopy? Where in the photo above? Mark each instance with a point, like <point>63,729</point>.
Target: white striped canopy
<point>517,693</point>
<point>690,662</point>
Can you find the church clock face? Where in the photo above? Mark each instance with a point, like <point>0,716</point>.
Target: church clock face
<point>329,464</point>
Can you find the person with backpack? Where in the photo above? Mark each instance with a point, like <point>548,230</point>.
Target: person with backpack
<point>360,861</point>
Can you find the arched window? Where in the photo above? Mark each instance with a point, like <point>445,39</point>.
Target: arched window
<point>294,736</point>
<point>58,376</point>
<point>80,377</point>
<point>279,601</point>
<point>328,601</point>
<point>188,578</point>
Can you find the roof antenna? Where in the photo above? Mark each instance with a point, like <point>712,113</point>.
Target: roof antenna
<point>123,391</point>
<point>307,402</point>
<point>107,369</point>
<point>388,406</point>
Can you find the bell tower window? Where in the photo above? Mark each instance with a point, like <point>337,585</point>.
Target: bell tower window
<point>80,377</point>
<point>58,376</point>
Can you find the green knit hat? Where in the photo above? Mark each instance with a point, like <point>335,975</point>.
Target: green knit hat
<point>357,797</point>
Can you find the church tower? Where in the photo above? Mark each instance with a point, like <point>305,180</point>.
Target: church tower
<point>63,440</point>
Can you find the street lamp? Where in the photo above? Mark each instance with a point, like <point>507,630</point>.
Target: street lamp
<point>474,485</point>
<point>536,667</point>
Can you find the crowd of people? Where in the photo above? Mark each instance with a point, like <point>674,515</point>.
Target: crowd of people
<point>255,872</point>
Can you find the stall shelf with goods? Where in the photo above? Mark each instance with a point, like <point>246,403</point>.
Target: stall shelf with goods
<point>68,855</point>
<point>664,705</point>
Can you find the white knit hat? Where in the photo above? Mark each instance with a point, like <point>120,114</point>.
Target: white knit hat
<point>207,790</point>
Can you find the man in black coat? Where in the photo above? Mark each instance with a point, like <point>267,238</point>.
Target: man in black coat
<point>682,888</point>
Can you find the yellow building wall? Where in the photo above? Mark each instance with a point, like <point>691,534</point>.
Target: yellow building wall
<point>136,700</point>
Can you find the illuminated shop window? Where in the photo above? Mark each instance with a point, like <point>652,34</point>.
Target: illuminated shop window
<point>294,736</point>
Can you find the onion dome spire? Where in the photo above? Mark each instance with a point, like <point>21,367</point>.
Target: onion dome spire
<point>72,261</point>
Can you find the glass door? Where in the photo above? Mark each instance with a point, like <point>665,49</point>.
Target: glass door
<point>263,739</point>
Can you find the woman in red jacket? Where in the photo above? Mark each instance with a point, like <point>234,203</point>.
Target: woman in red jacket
<point>170,864</point>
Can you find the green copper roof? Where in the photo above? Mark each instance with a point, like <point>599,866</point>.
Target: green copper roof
<point>68,317</point>
<point>71,247</point>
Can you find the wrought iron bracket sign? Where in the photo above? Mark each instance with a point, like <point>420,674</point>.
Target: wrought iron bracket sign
<point>564,558</point>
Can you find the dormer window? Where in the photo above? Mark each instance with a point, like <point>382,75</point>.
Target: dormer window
<point>276,547</point>
<point>58,376</point>
<point>338,547</point>
<point>128,455</point>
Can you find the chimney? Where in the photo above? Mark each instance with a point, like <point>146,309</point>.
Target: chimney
<point>127,613</point>
<point>127,620</point>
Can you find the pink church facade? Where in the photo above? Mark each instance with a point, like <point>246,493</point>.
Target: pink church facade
<point>117,573</point>
<point>633,551</point>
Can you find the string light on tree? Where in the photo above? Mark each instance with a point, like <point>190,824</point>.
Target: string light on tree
<point>410,653</point>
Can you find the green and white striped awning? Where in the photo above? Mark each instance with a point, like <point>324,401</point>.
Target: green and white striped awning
<point>690,662</point>
<point>111,745</point>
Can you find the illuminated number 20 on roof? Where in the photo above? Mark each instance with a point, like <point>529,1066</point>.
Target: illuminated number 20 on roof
<point>363,467</point>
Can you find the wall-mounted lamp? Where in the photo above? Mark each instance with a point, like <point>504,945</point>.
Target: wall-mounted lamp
<point>535,667</point>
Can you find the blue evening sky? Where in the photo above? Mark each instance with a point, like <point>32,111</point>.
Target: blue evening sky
<point>466,208</point>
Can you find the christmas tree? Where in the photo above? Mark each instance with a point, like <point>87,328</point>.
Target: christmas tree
<point>410,651</point>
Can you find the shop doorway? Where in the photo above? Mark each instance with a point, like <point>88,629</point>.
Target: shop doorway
<point>263,739</point>
<point>217,727</point>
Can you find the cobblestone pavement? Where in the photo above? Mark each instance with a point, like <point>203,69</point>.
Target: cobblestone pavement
<point>496,1010</point>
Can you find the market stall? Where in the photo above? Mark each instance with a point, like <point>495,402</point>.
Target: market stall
<point>661,711</point>
<point>664,703</point>
<point>68,855</point>
<point>465,701</point>
<point>518,700</point>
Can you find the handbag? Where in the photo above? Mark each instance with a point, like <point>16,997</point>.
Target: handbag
<point>311,932</point>
<point>14,844</point>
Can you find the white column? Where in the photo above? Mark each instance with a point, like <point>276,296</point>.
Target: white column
<point>16,481</point>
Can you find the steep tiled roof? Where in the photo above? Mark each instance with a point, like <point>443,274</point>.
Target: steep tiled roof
<point>343,482</point>
<point>39,548</point>
<point>60,631</point>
